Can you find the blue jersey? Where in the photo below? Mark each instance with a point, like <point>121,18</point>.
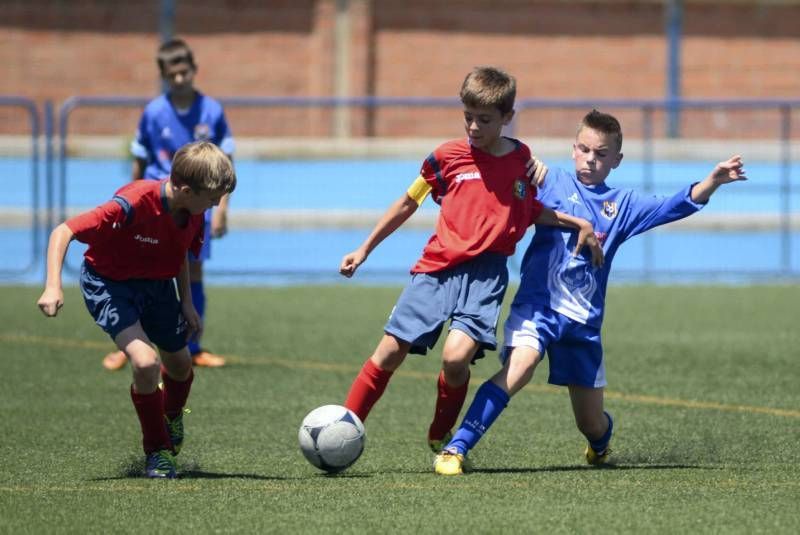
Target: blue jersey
<point>163,130</point>
<point>552,277</point>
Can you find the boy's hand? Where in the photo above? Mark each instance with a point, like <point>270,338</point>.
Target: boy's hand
<point>731,170</point>
<point>219,223</point>
<point>587,238</point>
<point>51,301</point>
<point>193,322</point>
<point>351,261</point>
<point>536,171</point>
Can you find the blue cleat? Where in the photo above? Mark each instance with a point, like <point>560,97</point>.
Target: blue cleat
<point>160,465</point>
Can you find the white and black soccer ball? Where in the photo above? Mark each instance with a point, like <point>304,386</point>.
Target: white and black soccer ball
<point>331,437</point>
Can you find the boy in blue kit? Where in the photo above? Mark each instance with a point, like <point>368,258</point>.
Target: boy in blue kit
<point>559,305</point>
<point>182,115</point>
<point>487,204</point>
<point>138,244</point>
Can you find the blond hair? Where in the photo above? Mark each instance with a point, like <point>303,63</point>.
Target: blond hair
<point>489,87</point>
<point>203,166</point>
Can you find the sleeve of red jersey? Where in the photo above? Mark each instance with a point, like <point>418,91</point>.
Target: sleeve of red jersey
<point>99,223</point>
<point>432,172</point>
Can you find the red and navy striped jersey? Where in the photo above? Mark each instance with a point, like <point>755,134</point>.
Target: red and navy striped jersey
<point>135,236</point>
<point>487,203</point>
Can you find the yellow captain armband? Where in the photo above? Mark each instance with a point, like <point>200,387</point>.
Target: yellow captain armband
<point>418,190</point>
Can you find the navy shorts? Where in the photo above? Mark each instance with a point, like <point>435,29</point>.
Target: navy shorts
<point>116,305</point>
<point>574,349</point>
<point>469,295</point>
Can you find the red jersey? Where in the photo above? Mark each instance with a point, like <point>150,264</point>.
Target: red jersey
<point>134,235</point>
<point>487,203</point>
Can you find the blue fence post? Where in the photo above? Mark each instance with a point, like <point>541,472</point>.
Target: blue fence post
<point>674,36</point>
<point>647,184</point>
<point>786,189</point>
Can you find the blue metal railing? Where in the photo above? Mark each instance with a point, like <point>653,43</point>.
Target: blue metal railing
<point>56,205</point>
<point>29,106</point>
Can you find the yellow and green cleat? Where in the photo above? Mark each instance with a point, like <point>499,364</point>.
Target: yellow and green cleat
<point>450,463</point>
<point>597,459</point>
<point>175,430</point>
<point>437,446</point>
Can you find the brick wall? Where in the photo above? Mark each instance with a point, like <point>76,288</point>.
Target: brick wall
<point>52,49</point>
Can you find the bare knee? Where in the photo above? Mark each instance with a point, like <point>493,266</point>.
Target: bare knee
<point>390,353</point>
<point>455,369</point>
<point>146,372</point>
<point>178,365</point>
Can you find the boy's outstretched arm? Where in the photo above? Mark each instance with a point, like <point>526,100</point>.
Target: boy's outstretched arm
<point>392,219</point>
<point>586,235</point>
<point>52,298</point>
<point>731,170</point>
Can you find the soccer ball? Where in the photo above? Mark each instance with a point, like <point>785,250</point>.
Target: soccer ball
<point>331,438</point>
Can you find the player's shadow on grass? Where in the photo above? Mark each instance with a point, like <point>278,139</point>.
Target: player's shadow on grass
<point>533,470</point>
<point>134,469</point>
<point>200,474</point>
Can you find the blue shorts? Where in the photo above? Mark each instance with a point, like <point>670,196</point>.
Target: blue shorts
<point>116,305</point>
<point>469,295</point>
<point>205,250</point>
<point>574,349</point>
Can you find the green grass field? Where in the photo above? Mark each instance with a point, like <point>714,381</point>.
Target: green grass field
<point>703,383</point>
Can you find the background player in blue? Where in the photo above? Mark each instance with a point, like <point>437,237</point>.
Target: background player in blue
<point>559,305</point>
<point>180,116</point>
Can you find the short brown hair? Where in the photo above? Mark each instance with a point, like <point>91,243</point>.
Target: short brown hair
<point>203,167</point>
<point>173,52</point>
<point>489,87</point>
<point>604,123</point>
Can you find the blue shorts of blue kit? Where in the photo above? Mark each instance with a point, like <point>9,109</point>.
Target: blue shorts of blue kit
<point>574,349</point>
<point>205,250</point>
<point>116,305</point>
<point>469,295</point>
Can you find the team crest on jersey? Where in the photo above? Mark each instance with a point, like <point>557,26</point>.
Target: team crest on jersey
<point>520,188</point>
<point>202,132</point>
<point>609,209</point>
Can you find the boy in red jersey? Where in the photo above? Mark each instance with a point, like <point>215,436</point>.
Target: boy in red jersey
<point>138,243</point>
<point>181,115</point>
<point>487,204</point>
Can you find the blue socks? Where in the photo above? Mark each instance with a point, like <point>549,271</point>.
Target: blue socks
<point>600,445</point>
<point>199,300</point>
<point>489,402</point>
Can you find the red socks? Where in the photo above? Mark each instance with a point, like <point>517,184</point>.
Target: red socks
<point>150,409</point>
<point>367,389</point>
<point>448,405</point>
<point>175,393</point>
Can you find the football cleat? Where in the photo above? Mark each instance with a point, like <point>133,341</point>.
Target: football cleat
<point>175,430</point>
<point>449,463</point>
<point>115,360</point>
<point>160,465</point>
<point>437,445</point>
<point>597,459</point>
<point>204,359</point>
